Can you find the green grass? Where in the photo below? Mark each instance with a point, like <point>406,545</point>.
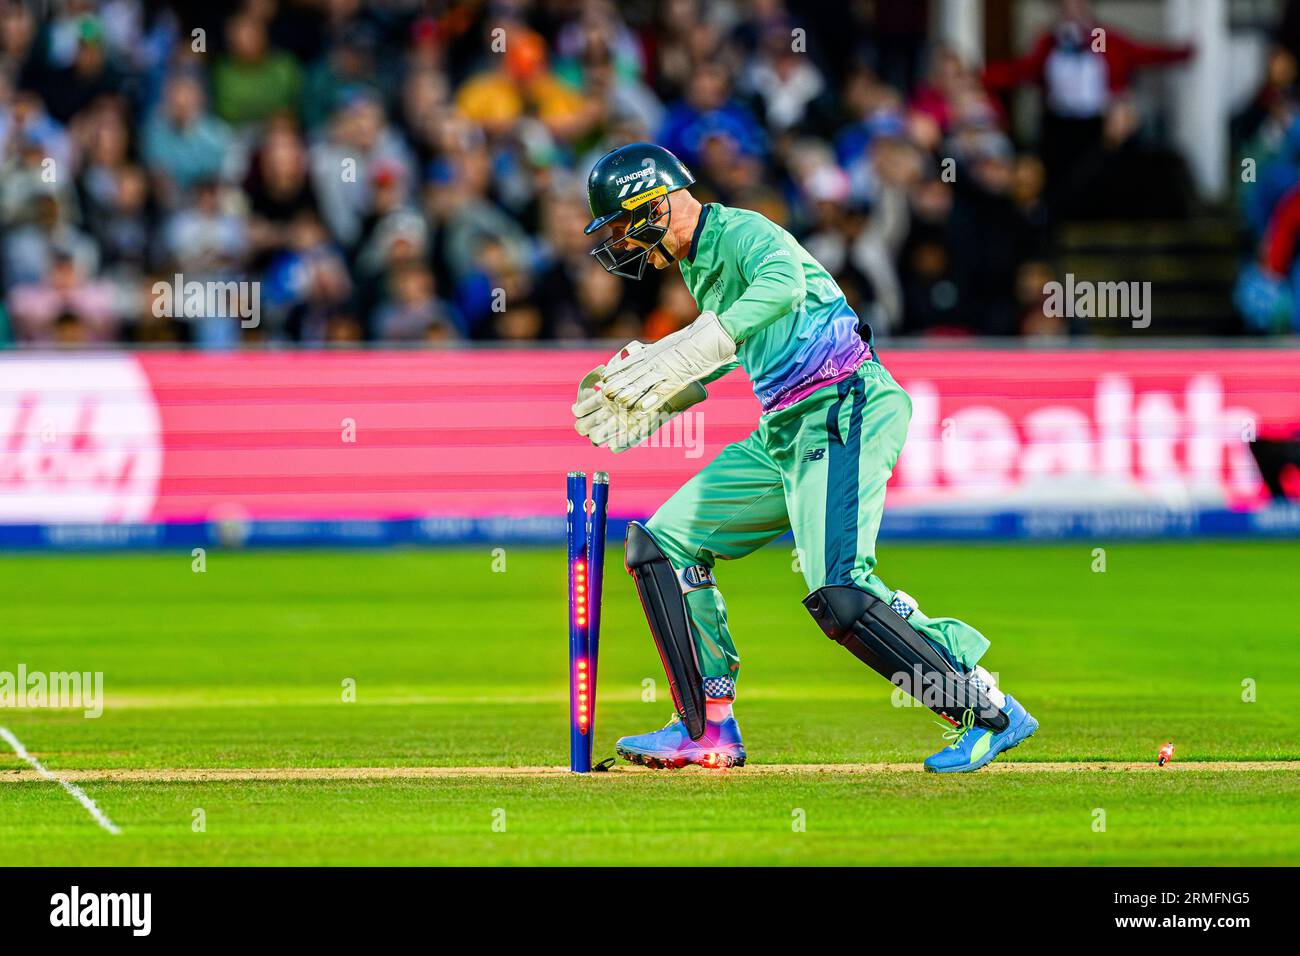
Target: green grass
<point>455,665</point>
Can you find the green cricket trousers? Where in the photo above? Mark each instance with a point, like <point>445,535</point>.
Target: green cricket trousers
<point>818,468</point>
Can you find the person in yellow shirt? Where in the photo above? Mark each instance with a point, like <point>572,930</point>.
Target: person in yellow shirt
<point>525,86</point>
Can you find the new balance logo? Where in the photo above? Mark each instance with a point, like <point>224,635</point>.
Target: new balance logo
<point>815,454</point>
<point>695,577</point>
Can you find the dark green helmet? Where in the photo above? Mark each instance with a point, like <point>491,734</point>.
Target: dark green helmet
<point>632,181</point>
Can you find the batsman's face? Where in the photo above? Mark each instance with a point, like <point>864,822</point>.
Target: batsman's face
<point>623,241</point>
<point>633,241</point>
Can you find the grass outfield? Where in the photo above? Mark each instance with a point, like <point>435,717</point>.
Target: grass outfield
<point>459,666</point>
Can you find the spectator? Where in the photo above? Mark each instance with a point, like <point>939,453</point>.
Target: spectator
<point>787,83</point>
<point>468,220</point>
<point>33,141</point>
<point>855,247</point>
<point>307,283</point>
<point>279,190</point>
<point>675,310</point>
<point>615,96</point>
<point>17,40</point>
<point>1037,322</point>
<point>603,300</point>
<point>709,110</point>
<point>120,217</point>
<point>89,75</point>
<point>44,235</point>
<point>936,96</point>
<point>874,111</point>
<point>413,311</point>
<point>1271,101</point>
<point>565,263</point>
<point>497,99</point>
<point>987,238</point>
<point>1278,169</point>
<point>253,81</point>
<point>43,310</point>
<point>208,242</point>
<point>685,41</point>
<point>345,71</point>
<point>1083,67</point>
<point>343,164</point>
<point>183,143</point>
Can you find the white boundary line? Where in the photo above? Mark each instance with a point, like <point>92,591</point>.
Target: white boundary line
<point>100,817</point>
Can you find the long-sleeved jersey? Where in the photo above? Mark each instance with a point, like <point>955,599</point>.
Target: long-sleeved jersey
<point>793,329</point>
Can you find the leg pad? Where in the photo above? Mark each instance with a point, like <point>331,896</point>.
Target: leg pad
<point>878,636</point>
<point>660,590</point>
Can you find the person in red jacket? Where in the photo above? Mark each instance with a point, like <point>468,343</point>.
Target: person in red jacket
<point>1266,293</point>
<point>1083,67</point>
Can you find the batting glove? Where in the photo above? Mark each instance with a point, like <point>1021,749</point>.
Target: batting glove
<point>618,429</point>
<point>645,378</point>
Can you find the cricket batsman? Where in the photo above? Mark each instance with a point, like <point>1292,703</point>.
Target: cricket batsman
<point>833,424</point>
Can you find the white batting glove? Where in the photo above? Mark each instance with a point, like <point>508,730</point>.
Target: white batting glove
<point>605,424</point>
<point>645,378</point>
<point>589,410</point>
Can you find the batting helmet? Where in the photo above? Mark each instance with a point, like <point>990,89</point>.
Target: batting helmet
<point>633,181</point>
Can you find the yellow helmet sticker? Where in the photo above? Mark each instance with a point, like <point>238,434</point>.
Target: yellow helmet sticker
<point>640,199</point>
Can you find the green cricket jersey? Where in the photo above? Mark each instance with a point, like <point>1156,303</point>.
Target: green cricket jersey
<point>793,328</point>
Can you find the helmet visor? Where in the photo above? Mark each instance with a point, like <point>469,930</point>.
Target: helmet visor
<point>627,251</point>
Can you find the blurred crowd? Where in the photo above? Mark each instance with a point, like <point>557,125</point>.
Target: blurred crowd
<point>1266,140</point>
<point>403,171</point>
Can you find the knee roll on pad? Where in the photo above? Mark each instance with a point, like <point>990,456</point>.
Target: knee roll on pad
<point>660,588</point>
<point>878,636</point>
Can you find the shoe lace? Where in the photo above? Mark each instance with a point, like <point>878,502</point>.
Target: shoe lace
<point>958,733</point>
<point>674,719</point>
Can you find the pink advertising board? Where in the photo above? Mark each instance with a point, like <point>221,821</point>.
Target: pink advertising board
<point>168,437</point>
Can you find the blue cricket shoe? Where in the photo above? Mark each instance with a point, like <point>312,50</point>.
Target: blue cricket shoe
<point>672,747</point>
<point>972,747</point>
